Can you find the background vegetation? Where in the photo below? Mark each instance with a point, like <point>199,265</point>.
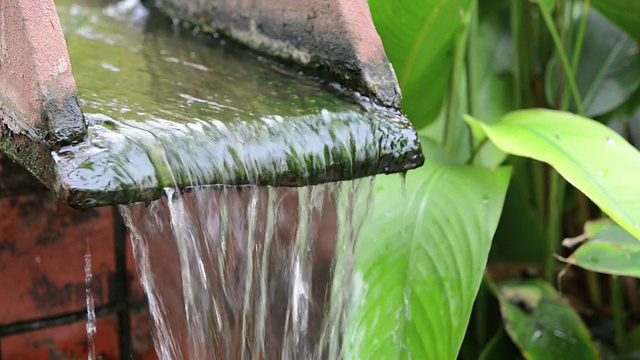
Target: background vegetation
<point>519,236</point>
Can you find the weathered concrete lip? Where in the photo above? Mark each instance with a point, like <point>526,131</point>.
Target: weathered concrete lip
<point>129,162</point>
<point>88,175</point>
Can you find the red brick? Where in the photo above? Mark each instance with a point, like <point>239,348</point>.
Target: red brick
<point>42,247</point>
<point>68,342</point>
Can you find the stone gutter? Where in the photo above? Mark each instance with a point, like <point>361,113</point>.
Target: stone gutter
<point>333,36</point>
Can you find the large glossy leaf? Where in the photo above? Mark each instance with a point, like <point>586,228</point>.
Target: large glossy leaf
<point>419,38</point>
<point>420,261</point>
<point>541,324</point>
<point>624,13</point>
<point>589,155</point>
<point>611,251</point>
<point>608,72</point>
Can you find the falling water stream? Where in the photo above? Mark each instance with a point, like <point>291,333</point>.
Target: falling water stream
<point>249,272</point>
<point>230,271</point>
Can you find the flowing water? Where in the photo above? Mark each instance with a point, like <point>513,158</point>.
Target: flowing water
<point>231,271</point>
<point>249,272</point>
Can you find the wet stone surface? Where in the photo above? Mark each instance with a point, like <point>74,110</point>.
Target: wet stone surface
<point>165,108</point>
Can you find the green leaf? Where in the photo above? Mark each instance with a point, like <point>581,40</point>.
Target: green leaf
<point>419,38</point>
<point>611,251</point>
<point>541,324</point>
<point>624,13</point>
<point>590,156</point>
<point>608,72</point>
<point>420,260</point>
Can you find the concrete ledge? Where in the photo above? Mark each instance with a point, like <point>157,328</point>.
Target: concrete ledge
<point>37,89</point>
<point>336,36</point>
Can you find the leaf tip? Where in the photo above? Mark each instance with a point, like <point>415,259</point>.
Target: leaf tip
<point>477,127</point>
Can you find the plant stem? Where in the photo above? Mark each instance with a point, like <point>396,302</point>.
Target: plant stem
<point>563,59</point>
<point>554,213</point>
<point>575,56</point>
<point>563,31</point>
<point>473,73</point>
<point>518,57</point>
<point>538,190</point>
<point>593,281</point>
<point>594,289</point>
<point>455,102</point>
<point>617,306</point>
<point>583,212</point>
<point>570,27</point>
<point>480,310</point>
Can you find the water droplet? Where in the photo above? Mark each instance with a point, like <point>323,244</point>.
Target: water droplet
<point>603,172</point>
<point>536,335</point>
<point>485,199</point>
<point>610,141</point>
<point>557,135</point>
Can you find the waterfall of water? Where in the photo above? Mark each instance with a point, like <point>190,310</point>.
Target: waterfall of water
<point>249,272</point>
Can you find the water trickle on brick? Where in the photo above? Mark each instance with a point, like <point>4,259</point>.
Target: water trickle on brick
<point>91,307</point>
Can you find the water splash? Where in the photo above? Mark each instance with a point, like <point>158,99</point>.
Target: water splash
<point>249,272</point>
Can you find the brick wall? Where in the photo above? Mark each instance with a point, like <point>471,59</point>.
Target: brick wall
<point>43,243</point>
